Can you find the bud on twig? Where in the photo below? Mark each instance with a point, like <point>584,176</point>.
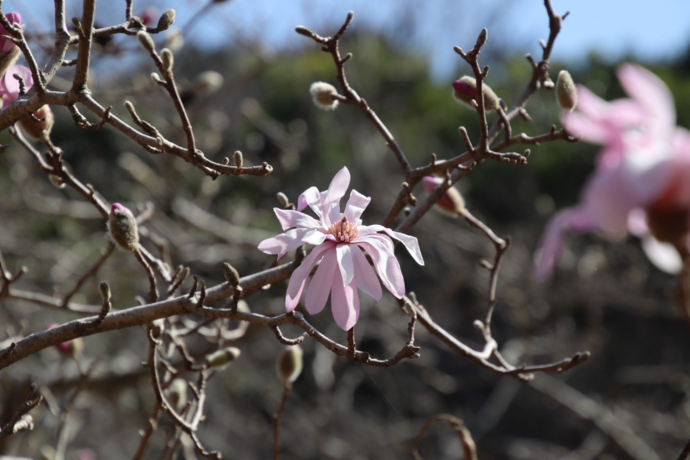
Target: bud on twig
<point>221,358</point>
<point>104,287</point>
<point>566,91</point>
<point>123,227</point>
<point>451,201</point>
<point>322,95</point>
<point>289,365</point>
<point>483,35</point>
<point>237,156</point>
<point>166,20</point>
<point>465,90</point>
<point>40,123</point>
<point>231,275</point>
<point>168,59</point>
<point>146,41</point>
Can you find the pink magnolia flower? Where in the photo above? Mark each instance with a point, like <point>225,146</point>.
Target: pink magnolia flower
<point>641,183</point>
<point>9,86</point>
<point>341,242</point>
<point>7,45</point>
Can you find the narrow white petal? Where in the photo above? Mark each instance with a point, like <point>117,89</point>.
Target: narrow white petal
<point>344,303</point>
<point>321,283</point>
<point>345,262</point>
<point>365,277</point>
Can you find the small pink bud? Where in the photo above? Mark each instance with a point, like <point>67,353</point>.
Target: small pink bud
<point>123,227</point>
<point>465,90</point>
<point>451,201</point>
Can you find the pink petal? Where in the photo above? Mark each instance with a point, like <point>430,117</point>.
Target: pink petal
<point>588,129</point>
<point>344,303</point>
<point>663,255</point>
<point>591,105</point>
<point>310,197</point>
<point>10,85</point>
<point>337,188</point>
<point>290,240</point>
<point>289,219</point>
<point>652,94</point>
<point>365,277</point>
<point>301,273</point>
<point>320,284</point>
<point>551,244</point>
<point>386,264</point>
<point>355,206</point>
<point>409,241</point>
<point>345,262</point>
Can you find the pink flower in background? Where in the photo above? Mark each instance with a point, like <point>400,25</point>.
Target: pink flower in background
<point>7,45</point>
<point>341,242</point>
<point>641,183</point>
<point>9,86</point>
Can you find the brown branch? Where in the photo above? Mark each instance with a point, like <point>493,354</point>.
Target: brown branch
<point>277,417</point>
<point>331,45</point>
<point>89,273</point>
<point>469,448</point>
<point>85,31</point>
<point>20,421</point>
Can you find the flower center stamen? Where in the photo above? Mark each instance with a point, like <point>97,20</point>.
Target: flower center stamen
<point>343,231</point>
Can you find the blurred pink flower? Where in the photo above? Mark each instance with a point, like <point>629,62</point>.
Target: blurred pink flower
<point>341,241</point>
<point>641,183</point>
<point>9,86</point>
<point>7,45</point>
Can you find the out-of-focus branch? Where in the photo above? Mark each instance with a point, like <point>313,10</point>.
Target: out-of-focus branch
<point>469,449</point>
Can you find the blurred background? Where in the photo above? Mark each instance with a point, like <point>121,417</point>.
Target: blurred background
<point>629,401</point>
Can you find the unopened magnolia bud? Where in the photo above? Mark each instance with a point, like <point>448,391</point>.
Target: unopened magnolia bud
<point>34,128</point>
<point>207,83</point>
<point>465,89</point>
<point>166,20</point>
<point>237,156</point>
<point>177,394</point>
<point>146,41</point>
<point>123,227</point>
<point>289,365</point>
<point>104,287</point>
<point>168,59</point>
<point>483,35</point>
<point>322,95</point>
<point>221,358</point>
<point>231,275</point>
<point>566,91</point>
<point>451,201</point>
<point>157,78</point>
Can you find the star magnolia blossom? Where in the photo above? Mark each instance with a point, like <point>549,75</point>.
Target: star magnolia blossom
<point>7,45</point>
<point>9,86</point>
<point>642,180</point>
<point>341,241</point>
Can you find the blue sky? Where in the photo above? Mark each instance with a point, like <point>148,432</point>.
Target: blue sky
<point>612,28</point>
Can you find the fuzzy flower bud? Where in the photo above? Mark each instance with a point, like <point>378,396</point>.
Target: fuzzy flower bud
<point>289,365</point>
<point>465,89</point>
<point>72,348</point>
<point>566,91</point>
<point>8,45</point>
<point>34,128</point>
<point>207,83</point>
<point>56,180</point>
<point>177,394</point>
<point>451,201</point>
<point>322,94</point>
<point>221,358</point>
<point>104,288</point>
<point>168,59</point>
<point>146,41</point>
<point>166,20</point>
<point>123,227</point>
